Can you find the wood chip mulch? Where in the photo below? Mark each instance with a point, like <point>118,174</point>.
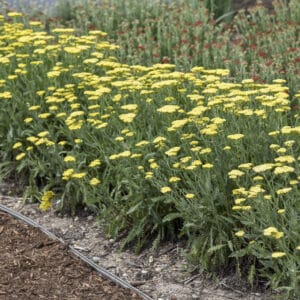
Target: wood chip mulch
<point>34,266</point>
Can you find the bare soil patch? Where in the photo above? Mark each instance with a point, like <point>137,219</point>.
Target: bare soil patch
<point>34,266</point>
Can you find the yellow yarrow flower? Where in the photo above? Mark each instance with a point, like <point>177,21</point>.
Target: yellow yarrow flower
<point>236,136</point>
<point>172,151</point>
<point>285,159</point>
<point>233,174</point>
<point>189,196</point>
<point>240,233</point>
<point>69,158</point>
<point>78,175</point>
<point>20,156</point>
<point>283,170</point>
<point>207,166</point>
<point>149,175</point>
<point>94,181</point>
<point>165,189</point>
<point>283,191</point>
<point>28,120</point>
<point>46,200</point>
<point>278,254</point>
<point>14,14</point>
<point>239,200</point>
<point>263,167</point>
<point>95,163</point>
<point>168,109</point>
<point>273,232</point>
<point>245,166</point>
<point>141,143</point>
<point>127,118</point>
<point>67,174</point>
<point>227,148</point>
<point>174,179</point>
<point>17,145</point>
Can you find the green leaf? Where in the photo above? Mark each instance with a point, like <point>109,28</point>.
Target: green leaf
<point>134,208</point>
<point>215,248</point>
<point>171,217</point>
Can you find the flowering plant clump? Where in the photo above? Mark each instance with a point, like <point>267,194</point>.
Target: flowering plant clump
<point>153,150</point>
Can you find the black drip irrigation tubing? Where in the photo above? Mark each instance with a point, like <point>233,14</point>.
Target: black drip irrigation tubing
<point>99,269</point>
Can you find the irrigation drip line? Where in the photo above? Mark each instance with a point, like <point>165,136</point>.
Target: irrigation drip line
<point>99,269</point>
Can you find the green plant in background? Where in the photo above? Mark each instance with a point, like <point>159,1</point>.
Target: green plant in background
<point>258,45</point>
<point>221,9</point>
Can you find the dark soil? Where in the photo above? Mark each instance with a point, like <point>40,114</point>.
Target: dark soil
<point>34,266</point>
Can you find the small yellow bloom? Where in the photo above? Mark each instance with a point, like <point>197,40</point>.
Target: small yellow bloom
<point>127,118</point>
<point>95,163</point>
<point>240,233</point>
<point>69,158</point>
<point>207,166</point>
<point>189,196</point>
<point>226,148</point>
<point>168,108</point>
<point>239,200</point>
<point>154,165</point>
<point>94,181</point>
<point>283,170</point>
<point>283,191</point>
<point>245,166</point>
<point>278,254</point>
<point>149,175</point>
<point>17,145</point>
<point>174,179</point>
<point>273,232</point>
<point>43,133</point>
<point>20,156</point>
<point>263,167</point>
<point>165,189</point>
<point>46,200</point>
<point>141,143</point>
<point>267,197</point>
<point>44,115</point>
<point>45,205</point>
<point>67,174</point>
<point>14,14</point>
<point>78,175</point>
<point>119,139</point>
<point>172,151</point>
<point>281,211</point>
<point>236,136</point>
<point>233,174</point>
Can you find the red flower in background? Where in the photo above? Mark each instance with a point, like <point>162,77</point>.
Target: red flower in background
<point>262,54</point>
<point>165,60</point>
<point>297,60</point>
<point>141,47</point>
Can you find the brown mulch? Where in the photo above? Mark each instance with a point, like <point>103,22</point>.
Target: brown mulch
<point>34,266</point>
